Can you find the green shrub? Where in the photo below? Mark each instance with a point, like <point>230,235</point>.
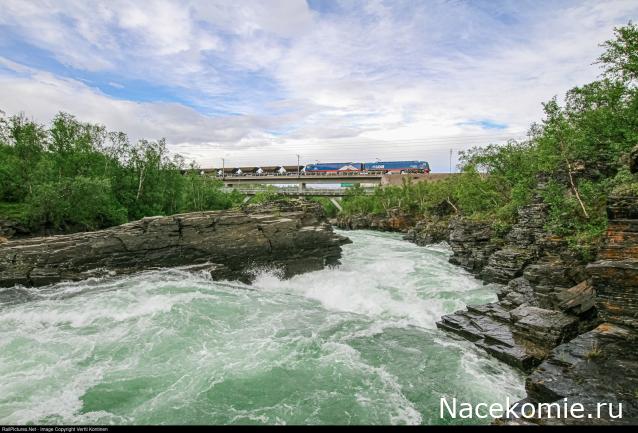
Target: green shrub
<point>79,202</point>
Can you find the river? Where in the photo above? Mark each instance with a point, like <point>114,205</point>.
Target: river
<point>356,344</point>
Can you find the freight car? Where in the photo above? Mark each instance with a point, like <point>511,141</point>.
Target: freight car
<point>333,167</point>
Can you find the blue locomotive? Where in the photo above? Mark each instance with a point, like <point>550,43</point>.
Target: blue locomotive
<point>397,166</point>
<point>368,167</point>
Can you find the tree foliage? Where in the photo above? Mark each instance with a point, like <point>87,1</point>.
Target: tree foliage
<point>74,176</point>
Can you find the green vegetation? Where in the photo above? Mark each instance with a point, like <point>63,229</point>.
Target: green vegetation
<point>75,176</point>
<point>594,352</point>
<point>573,159</point>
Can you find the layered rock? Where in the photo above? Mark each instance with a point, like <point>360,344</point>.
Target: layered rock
<point>471,244</point>
<point>615,273</point>
<point>10,229</point>
<point>599,365</point>
<point>427,232</point>
<point>526,323</point>
<point>291,236</point>
<point>488,326</point>
<point>393,221</point>
<point>522,246</point>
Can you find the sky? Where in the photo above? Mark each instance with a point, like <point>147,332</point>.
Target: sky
<point>260,82</point>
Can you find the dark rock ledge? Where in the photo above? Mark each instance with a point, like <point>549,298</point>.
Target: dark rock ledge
<point>572,326</point>
<point>538,308</point>
<point>290,235</point>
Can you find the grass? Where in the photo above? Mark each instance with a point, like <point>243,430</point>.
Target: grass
<point>595,351</point>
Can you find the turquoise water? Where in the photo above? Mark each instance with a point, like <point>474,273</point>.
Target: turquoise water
<point>355,344</point>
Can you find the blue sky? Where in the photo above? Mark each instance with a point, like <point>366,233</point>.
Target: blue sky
<point>258,82</point>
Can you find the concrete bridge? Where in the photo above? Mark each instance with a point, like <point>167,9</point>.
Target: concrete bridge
<point>303,180</point>
<point>334,194</point>
<point>349,179</point>
<point>309,192</point>
<point>249,184</point>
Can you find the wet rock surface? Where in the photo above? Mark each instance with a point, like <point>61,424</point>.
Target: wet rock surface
<point>292,236</point>
<point>487,326</point>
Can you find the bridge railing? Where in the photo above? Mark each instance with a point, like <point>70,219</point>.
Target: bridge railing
<point>295,191</point>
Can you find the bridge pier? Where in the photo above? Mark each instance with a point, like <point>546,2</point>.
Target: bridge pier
<point>335,202</point>
<point>246,199</point>
<point>302,186</point>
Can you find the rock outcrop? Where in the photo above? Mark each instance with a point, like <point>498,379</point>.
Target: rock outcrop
<point>472,244</point>
<point>10,229</point>
<point>522,246</point>
<point>615,273</point>
<point>539,307</point>
<point>598,366</point>
<point>292,236</point>
<point>426,232</point>
<point>394,221</point>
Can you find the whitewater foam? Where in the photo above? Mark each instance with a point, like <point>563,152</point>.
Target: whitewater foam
<point>351,344</point>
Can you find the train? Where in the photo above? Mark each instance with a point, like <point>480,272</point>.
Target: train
<point>402,167</point>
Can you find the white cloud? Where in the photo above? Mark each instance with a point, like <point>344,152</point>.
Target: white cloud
<point>304,81</point>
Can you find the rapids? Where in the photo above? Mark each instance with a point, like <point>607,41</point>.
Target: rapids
<point>355,344</point>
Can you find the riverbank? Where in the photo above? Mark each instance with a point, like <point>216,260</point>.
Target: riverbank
<point>569,323</point>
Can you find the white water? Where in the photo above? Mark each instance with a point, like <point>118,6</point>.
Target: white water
<point>353,344</point>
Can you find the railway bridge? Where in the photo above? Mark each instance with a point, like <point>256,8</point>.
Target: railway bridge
<point>299,184</point>
<point>334,194</point>
<point>345,180</point>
